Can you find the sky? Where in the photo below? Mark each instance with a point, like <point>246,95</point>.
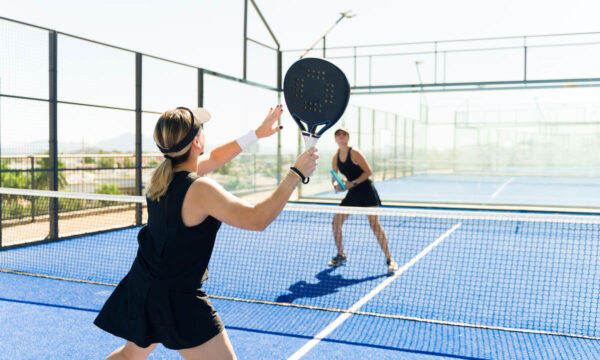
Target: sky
<point>209,33</point>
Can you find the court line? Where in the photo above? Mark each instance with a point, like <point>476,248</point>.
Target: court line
<point>337,322</point>
<point>502,187</point>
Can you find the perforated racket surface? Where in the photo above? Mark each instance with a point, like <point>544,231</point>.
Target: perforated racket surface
<point>316,94</point>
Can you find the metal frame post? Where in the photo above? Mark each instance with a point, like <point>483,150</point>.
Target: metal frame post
<point>404,157</point>
<point>298,154</point>
<point>52,136</point>
<point>435,61</point>
<point>412,148</point>
<point>245,38</point>
<point>525,58</point>
<point>359,125</point>
<point>355,83</point>
<point>279,86</point>
<point>373,114</point>
<point>200,87</point>
<point>454,150</point>
<point>32,167</point>
<point>138,136</point>
<point>0,162</point>
<point>395,146</point>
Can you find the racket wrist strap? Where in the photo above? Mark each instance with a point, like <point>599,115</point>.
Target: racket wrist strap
<point>246,140</point>
<point>305,180</point>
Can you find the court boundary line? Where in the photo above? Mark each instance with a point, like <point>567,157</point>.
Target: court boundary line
<point>342,318</point>
<point>499,190</point>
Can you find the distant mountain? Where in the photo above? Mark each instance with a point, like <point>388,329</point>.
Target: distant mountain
<point>120,143</point>
<point>126,143</point>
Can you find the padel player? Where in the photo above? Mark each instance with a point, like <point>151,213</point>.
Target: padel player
<point>160,300</point>
<point>361,192</point>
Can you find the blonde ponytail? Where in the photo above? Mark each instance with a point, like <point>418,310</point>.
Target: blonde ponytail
<point>171,128</point>
<point>160,180</point>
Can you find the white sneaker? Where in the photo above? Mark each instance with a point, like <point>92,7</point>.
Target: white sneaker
<point>338,260</point>
<point>392,266</point>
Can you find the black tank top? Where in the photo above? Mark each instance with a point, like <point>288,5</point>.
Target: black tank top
<point>170,251</point>
<point>350,170</point>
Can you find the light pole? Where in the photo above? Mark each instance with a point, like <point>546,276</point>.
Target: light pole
<point>417,63</point>
<point>346,14</point>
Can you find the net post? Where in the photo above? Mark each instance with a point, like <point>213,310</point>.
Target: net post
<point>52,138</point>
<point>138,135</point>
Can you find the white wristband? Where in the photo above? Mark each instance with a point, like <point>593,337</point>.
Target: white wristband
<point>247,140</point>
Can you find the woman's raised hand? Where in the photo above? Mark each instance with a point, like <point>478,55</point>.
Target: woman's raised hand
<point>268,126</point>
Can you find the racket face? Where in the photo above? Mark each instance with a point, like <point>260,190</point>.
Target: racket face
<point>316,94</point>
<point>338,180</point>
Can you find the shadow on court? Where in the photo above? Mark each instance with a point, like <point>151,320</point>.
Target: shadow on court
<point>328,284</point>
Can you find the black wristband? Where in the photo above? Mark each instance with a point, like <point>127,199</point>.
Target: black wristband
<point>305,180</point>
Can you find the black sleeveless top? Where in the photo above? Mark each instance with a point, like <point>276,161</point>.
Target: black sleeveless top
<point>351,171</point>
<point>160,300</point>
<point>167,248</point>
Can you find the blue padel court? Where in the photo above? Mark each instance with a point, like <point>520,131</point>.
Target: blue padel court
<point>489,189</point>
<point>479,131</point>
<point>469,287</point>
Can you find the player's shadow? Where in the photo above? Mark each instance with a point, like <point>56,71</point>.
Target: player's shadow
<point>328,284</point>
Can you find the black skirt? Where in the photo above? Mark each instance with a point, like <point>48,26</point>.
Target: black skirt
<point>147,311</point>
<point>363,195</point>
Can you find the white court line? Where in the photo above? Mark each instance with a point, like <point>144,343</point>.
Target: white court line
<point>337,322</point>
<point>502,187</point>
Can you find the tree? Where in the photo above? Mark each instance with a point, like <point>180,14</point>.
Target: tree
<point>110,189</point>
<point>128,162</point>
<point>18,180</point>
<point>107,162</point>
<point>42,178</point>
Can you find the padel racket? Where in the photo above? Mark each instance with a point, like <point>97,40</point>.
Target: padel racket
<point>338,180</point>
<point>316,94</point>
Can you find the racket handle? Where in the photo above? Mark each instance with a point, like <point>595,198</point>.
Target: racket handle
<point>310,140</point>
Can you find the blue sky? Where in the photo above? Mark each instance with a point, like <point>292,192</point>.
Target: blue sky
<point>209,32</point>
